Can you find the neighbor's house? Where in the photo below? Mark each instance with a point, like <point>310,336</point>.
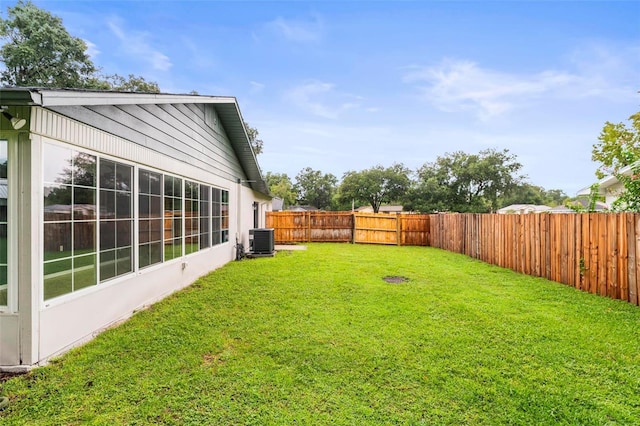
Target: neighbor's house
<point>111,201</point>
<point>523,209</point>
<point>583,204</point>
<point>382,209</point>
<point>609,187</point>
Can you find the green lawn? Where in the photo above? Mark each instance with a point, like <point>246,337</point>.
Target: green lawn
<point>317,337</point>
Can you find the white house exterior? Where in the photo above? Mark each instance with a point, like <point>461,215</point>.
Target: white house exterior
<point>523,208</point>
<point>609,187</point>
<point>111,201</point>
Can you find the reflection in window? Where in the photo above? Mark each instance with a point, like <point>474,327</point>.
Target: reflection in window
<point>4,198</point>
<point>116,219</point>
<point>205,216</point>
<point>191,216</point>
<point>224,214</point>
<point>172,217</point>
<point>150,218</point>
<point>69,220</point>
<point>215,216</point>
<point>219,216</point>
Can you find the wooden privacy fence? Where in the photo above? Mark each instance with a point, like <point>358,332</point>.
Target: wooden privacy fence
<point>367,228</point>
<point>594,252</point>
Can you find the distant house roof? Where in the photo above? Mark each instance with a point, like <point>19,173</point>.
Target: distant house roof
<point>523,208</point>
<point>226,108</point>
<point>383,209</point>
<point>277,204</point>
<point>302,208</point>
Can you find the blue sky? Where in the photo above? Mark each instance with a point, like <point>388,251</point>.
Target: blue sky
<point>347,85</point>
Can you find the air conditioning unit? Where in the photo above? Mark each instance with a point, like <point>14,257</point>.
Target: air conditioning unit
<point>261,241</point>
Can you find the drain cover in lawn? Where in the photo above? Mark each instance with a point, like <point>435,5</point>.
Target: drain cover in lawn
<point>395,279</point>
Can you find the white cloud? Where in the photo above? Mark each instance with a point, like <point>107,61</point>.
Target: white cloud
<point>256,87</point>
<point>136,44</point>
<point>92,50</point>
<point>458,85</point>
<point>321,99</point>
<point>299,31</point>
<point>463,85</point>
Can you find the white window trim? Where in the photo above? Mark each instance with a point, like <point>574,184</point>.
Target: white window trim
<point>135,193</point>
<point>12,223</point>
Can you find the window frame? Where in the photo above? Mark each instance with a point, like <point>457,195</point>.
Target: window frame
<point>136,169</point>
<point>11,223</point>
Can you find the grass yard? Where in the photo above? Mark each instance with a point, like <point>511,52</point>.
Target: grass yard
<point>317,337</point>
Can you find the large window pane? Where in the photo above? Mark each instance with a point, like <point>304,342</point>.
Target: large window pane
<point>57,240</point>
<point>150,205</point>
<point>58,278</point>
<point>69,187</point>
<point>84,203</point>
<point>4,205</point>
<point>57,202</point>
<point>173,218</point>
<point>224,213</point>
<point>116,224</point>
<point>84,271</point>
<point>205,216</point>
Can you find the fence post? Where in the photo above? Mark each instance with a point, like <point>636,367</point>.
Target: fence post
<point>398,229</point>
<point>353,227</point>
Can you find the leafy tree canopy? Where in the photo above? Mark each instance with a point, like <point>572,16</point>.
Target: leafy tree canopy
<point>618,146</point>
<point>281,186</point>
<point>526,193</point>
<point>131,84</point>
<point>256,143</point>
<point>315,188</point>
<point>465,182</point>
<point>38,51</point>
<point>375,186</point>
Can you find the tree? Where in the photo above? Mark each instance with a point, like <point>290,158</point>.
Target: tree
<point>281,186</point>
<point>618,146</point>
<point>38,51</point>
<point>131,84</point>
<point>256,143</point>
<point>465,182</point>
<point>526,193</point>
<point>315,188</point>
<point>375,186</point>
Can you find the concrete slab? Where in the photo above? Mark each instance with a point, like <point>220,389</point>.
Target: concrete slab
<point>289,247</point>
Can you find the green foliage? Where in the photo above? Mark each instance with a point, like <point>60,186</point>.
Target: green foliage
<point>618,146</point>
<point>38,51</point>
<point>579,205</point>
<point>375,186</point>
<point>131,84</point>
<point>629,199</point>
<point>256,143</point>
<point>460,343</point>
<point>315,188</point>
<point>464,182</point>
<point>281,186</point>
<point>526,193</point>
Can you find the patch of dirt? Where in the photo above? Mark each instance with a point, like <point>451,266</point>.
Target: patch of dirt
<point>394,279</point>
<point>5,375</point>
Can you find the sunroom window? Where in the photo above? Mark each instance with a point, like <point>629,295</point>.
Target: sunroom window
<point>4,225</point>
<point>69,220</point>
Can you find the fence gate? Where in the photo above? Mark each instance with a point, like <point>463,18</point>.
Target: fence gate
<point>376,229</point>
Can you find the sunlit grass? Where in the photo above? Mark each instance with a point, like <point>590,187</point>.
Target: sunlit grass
<point>318,337</point>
